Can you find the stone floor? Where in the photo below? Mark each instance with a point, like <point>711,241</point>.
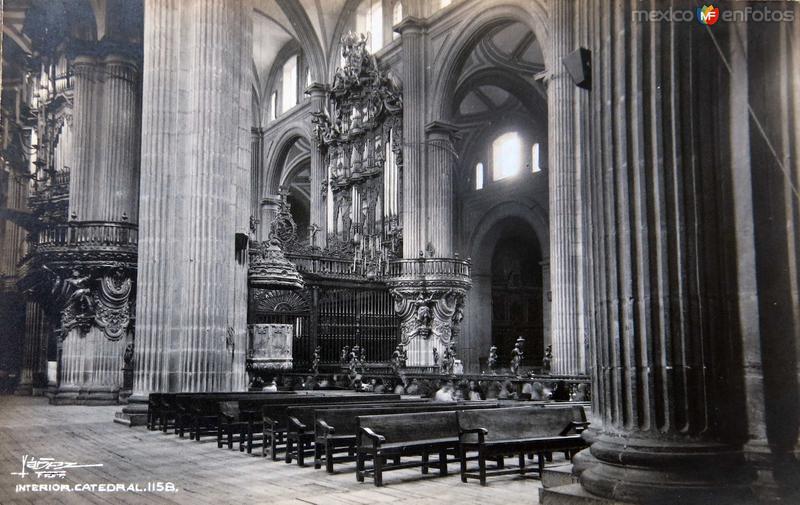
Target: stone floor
<point>202,473</point>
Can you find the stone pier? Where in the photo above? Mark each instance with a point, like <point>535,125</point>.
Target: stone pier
<point>565,333</point>
<point>191,315</point>
<point>103,209</point>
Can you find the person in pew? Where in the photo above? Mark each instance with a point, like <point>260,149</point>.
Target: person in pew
<point>506,391</point>
<point>527,391</point>
<point>257,383</point>
<point>493,390</point>
<point>378,386</point>
<point>310,383</point>
<point>413,388</point>
<point>537,392</point>
<point>561,393</point>
<point>445,393</point>
<point>474,394</point>
<point>271,387</point>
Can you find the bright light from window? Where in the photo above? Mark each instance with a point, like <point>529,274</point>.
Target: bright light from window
<point>506,156</point>
<point>274,105</point>
<point>289,89</point>
<point>444,3</point>
<point>397,15</point>
<point>479,176</point>
<point>369,20</point>
<point>535,166</point>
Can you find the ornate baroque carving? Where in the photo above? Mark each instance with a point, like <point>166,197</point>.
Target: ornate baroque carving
<point>362,124</point>
<point>112,302</point>
<point>102,297</point>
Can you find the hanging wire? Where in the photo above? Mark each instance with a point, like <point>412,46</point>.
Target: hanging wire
<point>755,119</point>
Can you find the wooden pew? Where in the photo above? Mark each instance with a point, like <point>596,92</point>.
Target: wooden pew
<point>163,408</point>
<point>300,434</point>
<point>275,419</point>
<point>336,429</point>
<point>153,410</point>
<point>200,414</point>
<point>381,437</point>
<point>495,433</point>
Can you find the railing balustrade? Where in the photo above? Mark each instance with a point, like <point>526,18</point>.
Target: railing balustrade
<point>101,234</point>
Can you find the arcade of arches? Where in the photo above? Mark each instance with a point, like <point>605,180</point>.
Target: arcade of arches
<point>186,180</point>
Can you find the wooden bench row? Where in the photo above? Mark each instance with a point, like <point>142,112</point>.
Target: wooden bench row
<point>492,433</point>
<point>330,432</point>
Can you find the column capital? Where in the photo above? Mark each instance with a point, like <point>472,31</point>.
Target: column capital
<point>271,200</point>
<point>442,129</point>
<point>410,24</point>
<point>109,51</point>
<point>317,89</point>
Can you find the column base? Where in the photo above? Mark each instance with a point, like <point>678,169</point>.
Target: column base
<point>666,471</point>
<point>24,389</point>
<point>775,473</point>
<point>574,494</point>
<point>78,395</point>
<point>134,413</point>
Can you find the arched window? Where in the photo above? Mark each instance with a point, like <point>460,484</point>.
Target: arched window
<point>397,15</point>
<point>479,176</point>
<point>535,164</point>
<point>274,106</point>
<point>506,156</point>
<point>289,88</point>
<point>369,19</point>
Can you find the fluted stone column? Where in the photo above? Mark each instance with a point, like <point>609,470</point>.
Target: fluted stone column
<point>85,193</point>
<point>765,97</point>
<point>33,373</point>
<point>103,187</point>
<point>546,304</point>
<point>120,142</point>
<point>656,206</point>
<point>319,212</point>
<point>439,186</point>
<point>256,172</point>
<point>564,261</point>
<point>412,32</point>
<point>191,333</point>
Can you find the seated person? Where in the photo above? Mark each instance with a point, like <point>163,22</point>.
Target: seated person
<point>474,393</point>
<point>537,392</point>
<point>445,393</point>
<point>561,393</point>
<point>272,387</point>
<point>493,390</point>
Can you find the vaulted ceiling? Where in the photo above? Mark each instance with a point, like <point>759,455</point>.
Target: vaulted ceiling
<point>511,49</point>
<point>277,22</point>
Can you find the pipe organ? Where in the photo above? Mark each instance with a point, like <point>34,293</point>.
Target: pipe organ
<point>359,134</point>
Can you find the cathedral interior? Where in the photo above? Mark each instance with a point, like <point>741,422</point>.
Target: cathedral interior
<point>531,201</point>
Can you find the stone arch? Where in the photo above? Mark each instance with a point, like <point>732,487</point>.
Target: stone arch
<point>276,158</point>
<point>503,79</point>
<point>307,37</point>
<point>477,324</point>
<point>486,231</point>
<point>288,50</point>
<point>455,51</point>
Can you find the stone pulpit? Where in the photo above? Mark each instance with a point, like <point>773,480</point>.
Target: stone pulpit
<point>270,347</point>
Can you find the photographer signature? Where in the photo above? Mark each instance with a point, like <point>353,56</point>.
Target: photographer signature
<point>47,468</point>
